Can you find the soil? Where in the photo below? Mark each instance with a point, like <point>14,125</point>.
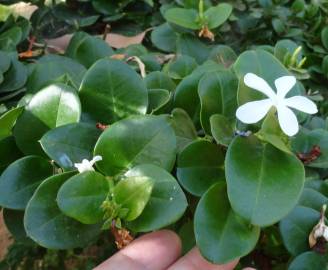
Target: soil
<point>5,238</point>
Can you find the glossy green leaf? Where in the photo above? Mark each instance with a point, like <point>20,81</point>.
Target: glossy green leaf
<point>190,45</point>
<point>218,95</point>
<point>264,183</point>
<point>272,133</point>
<point>48,226</point>
<point>70,143</point>
<point>183,17</point>
<point>159,80</point>
<point>305,140</point>
<point>200,165</point>
<point>51,67</point>
<point>87,49</point>
<point>136,140</point>
<point>111,90</point>
<point>184,128</point>
<point>15,77</point>
<point>164,38</point>
<point>8,120</point>
<point>9,152</point>
<point>221,129</point>
<point>181,67</point>
<point>81,196</point>
<point>308,261</point>
<point>324,37</point>
<point>19,181</point>
<point>53,106</point>
<point>14,223</point>
<point>166,204</point>
<point>217,15</point>
<point>296,227</point>
<point>312,199</point>
<point>133,193</point>
<point>157,98</point>
<point>5,61</point>
<point>221,235</point>
<point>223,54</point>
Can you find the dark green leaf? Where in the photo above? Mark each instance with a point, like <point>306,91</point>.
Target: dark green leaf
<point>200,165</point>
<point>50,228</point>
<point>136,140</point>
<point>222,235</point>
<point>19,181</point>
<point>264,183</point>
<point>166,204</point>
<point>111,90</point>
<point>81,196</point>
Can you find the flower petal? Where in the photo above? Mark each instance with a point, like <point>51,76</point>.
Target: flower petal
<point>284,85</point>
<point>287,120</point>
<point>95,159</point>
<point>253,111</point>
<point>257,83</point>
<point>302,104</point>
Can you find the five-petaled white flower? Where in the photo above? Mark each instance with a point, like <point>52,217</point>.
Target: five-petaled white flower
<point>254,111</point>
<point>86,165</point>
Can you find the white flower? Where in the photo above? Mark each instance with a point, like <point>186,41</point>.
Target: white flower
<point>86,165</point>
<point>254,111</point>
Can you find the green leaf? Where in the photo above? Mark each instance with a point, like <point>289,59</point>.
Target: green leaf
<point>136,140</point>
<point>200,165</point>
<point>221,235</point>
<point>221,129</point>
<point>187,18</point>
<point>264,65</point>
<point>159,80</point>
<point>272,133</point>
<point>157,98</point>
<point>164,38</point>
<point>51,67</point>
<point>223,54</point>
<point>111,90</point>
<point>312,199</point>
<point>264,183</point>
<point>15,78</point>
<point>166,204</point>
<point>10,38</point>
<point>87,49</point>
<point>82,195</point>
<point>8,120</point>
<point>14,223</point>
<point>324,37</point>
<point>70,144</point>
<point>50,228</point>
<point>218,95</point>
<point>19,181</point>
<point>308,261</point>
<point>133,193</point>
<point>184,128</point>
<point>181,67</point>
<point>306,140</point>
<point>296,228</point>
<point>217,15</point>
<point>5,61</point>
<point>8,152</point>
<point>53,106</point>
<point>190,45</point>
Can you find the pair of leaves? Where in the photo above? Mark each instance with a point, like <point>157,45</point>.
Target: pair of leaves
<point>189,18</point>
<point>54,106</point>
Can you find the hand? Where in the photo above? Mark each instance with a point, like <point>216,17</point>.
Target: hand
<point>159,251</point>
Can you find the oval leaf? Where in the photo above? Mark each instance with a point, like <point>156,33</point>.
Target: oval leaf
<point>221,235</point>
<point>264,183</point>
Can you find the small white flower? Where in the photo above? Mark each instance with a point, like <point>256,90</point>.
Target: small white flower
<point>254,111</point>
<point>86,165</point>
